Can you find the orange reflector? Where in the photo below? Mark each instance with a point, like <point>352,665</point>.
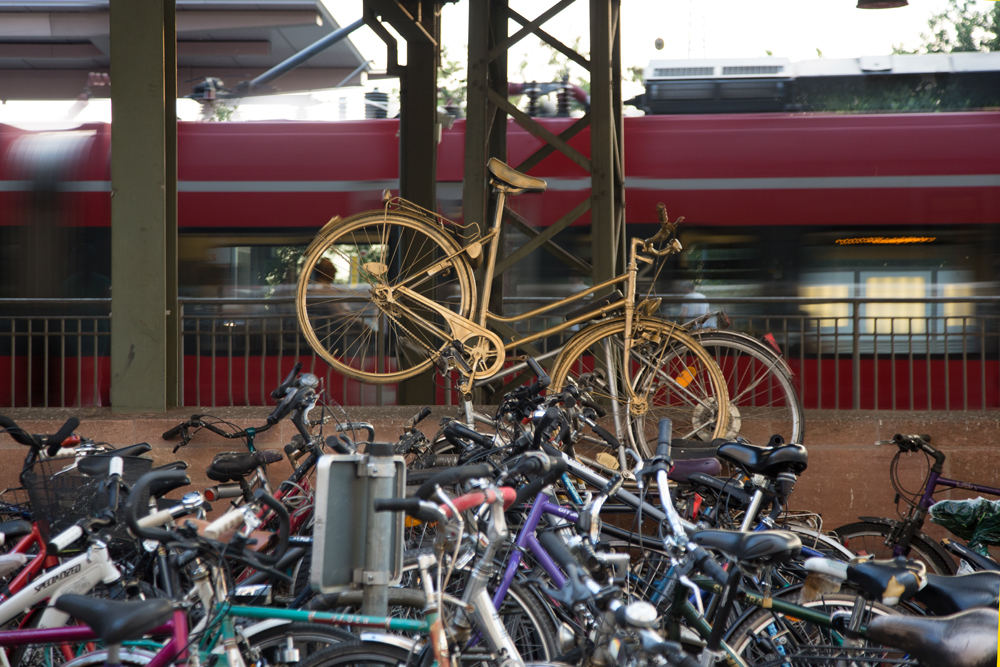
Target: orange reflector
<point>687,377</point>
<point>410,522</point>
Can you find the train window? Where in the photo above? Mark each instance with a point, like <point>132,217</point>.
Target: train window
<point>829,315</point>
<point>896,318</point>
<point>956,313</point>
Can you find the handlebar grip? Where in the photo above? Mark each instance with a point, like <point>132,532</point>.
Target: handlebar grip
<point>175,431</point>
<point>663,438</point>
<point>558,550</point>
<point>455,430</point>
<point>284,524</point>
<point>56,440</point>
<point>417,418</point>
<point>709,566</point>
<point>155,519</point>
<point>543,378</point>
<point>546,420</point>
<point>229,521</point>
<point>168,477</point>
<point>397,504</point>
<point>451,476</point>
<point>527,466</point>
<point>64,539</point>
<point>606,436</point>
<point>925,437</point>
<point>16,432</point>
<point>282,389</point>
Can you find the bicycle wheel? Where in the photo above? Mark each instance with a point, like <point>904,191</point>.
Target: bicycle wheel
<point>762,396</point>
<point>268,646</point>
<point>670,375</point>
<point>359,653</point>
<point>344,303</point>
<point>767,637</point>
<point>865,537</point>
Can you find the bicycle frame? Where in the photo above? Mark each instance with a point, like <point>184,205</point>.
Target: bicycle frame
<point>174,650</point>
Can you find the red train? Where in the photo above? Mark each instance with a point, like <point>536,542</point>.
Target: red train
<point>831,205</point>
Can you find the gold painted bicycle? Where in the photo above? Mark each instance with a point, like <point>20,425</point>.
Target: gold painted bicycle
<point>385,295</point>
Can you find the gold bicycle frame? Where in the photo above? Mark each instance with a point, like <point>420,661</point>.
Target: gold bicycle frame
<point>627,302</point>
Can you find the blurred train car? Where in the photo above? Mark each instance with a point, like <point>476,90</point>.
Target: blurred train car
<point>823,205</point>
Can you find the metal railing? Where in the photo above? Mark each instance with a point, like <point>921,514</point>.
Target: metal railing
<point>856,353</point>
<point>55,352</point>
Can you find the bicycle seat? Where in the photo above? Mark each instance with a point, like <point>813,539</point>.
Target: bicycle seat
<point>767,547</point>
<point>232,466</point>
<point>967,639</point>
<point>97,465</point>
<point>15,528</point>
<point>137,449</point>
<point>513,181</point>
<point>684,469</point>
<point>117,621</point>
<point>767,461</point>
<point>950,595</point>
<point>681,449</point>
<point>173,465</point>
<point>889,580</point>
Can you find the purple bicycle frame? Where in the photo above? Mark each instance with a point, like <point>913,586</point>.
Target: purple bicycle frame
<point>526,540</point>
<point>174,650</point>
<point>935,480</point>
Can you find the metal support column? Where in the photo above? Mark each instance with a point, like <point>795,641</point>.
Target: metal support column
<point>489,106</point>
<point>139,186</point>
<point>418,22</point>
<point>175,357</point>
<point>603,150</point>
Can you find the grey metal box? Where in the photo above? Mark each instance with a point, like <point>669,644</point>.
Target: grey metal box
<point>344,499</point>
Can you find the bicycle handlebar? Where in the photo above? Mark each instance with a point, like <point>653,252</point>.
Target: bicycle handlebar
<point>53,442</point>
<point>282,389</point>
<point>167,477</point>
<point>451,476</point>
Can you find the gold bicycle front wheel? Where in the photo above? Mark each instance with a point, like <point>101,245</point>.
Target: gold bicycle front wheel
<point>669,373</point>
<point>342,303</point>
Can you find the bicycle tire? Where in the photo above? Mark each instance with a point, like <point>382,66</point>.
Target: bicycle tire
<point>763,400</point>
<point>753,638</point>
<point>872,537</point>
<point>308,638</point>
<point>687,385</point>
<point>351,339</point>
<point>360,653</point>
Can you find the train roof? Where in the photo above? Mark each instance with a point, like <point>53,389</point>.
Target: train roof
<point>771,67</point>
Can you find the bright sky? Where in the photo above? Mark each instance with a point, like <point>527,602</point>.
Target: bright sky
<point>689,28</point>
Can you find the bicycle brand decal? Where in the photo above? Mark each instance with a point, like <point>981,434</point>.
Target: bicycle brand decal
<point>59,577</point>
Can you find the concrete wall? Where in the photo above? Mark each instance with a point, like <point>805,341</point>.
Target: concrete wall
<point>848,474</point>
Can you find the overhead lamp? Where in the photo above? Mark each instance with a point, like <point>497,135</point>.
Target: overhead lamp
<point>881,4</point>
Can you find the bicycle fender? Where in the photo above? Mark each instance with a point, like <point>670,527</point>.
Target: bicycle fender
<point>404,643</point>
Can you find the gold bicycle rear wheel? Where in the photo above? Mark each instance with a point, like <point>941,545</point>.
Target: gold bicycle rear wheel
<point>341,298</point>
<point>670,375</point>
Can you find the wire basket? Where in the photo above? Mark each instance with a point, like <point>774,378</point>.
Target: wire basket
<point>15,504</point>
<point>61,495</point>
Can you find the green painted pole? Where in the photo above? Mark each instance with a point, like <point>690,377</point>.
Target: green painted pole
<point>138,208</point>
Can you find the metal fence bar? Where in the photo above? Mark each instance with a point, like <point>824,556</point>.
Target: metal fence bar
<point>46,345</point>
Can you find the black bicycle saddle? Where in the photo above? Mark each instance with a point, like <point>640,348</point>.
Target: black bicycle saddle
<point>117,621</point>
<point>945,595</point>
<point>767,461</point>
<point>889,580</point>
<point>231,466</point>
<point>968,639</point>
<point>768,547</point>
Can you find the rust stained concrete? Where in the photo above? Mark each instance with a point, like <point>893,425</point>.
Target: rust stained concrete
<point>848,474</point>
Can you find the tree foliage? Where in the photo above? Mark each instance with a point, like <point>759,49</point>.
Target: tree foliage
<point>452,81</point>
<point>960,27</point>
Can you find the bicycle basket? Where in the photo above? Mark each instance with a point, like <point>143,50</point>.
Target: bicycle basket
<point>14,504</point>
<point>61,495</point>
